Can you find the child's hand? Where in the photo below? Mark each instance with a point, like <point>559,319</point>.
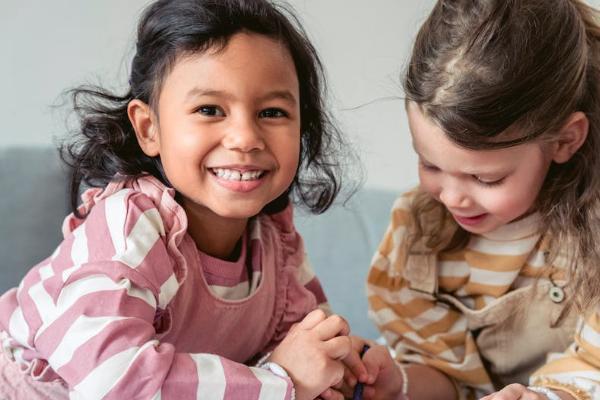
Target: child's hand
<point>312,351</point>
<point>516,391</point>
<point>384,380</point>
<point>355,370</point>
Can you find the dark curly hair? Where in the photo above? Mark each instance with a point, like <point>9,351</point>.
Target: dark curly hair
<point>105,147</point>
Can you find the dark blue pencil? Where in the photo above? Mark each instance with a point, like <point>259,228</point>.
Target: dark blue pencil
<point>358,389</point>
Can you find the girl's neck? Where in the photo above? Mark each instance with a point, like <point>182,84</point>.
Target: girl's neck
<point>213,234</point>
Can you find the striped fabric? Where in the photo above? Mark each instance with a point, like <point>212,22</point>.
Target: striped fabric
<point>85,315</point>
<point>425,330</point>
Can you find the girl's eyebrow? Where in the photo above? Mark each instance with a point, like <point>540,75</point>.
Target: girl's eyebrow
<point>284,95</point>
<point>197,92</point>
<point>497,172</point>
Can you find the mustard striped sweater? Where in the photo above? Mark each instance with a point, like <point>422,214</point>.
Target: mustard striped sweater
<point>423,329</point>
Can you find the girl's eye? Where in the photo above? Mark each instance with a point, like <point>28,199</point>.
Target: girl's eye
<point>273,113</point>
<point>488,183</point>
<point>429,167</point>
<point>211,111</point>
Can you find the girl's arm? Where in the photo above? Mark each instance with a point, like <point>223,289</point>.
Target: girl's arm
<point>420,329</point>
<point>89,311</point>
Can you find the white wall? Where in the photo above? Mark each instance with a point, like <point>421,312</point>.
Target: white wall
<point>48,46</point>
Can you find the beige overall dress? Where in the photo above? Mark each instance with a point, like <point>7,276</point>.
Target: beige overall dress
<point>515,333</point>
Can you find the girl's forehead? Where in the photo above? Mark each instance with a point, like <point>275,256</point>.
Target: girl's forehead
<point>249,62</point>
<point>433,146</point>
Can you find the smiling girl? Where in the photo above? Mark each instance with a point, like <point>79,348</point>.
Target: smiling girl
<point>181,274</point>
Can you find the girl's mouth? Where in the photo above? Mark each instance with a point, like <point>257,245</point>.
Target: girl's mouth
<point>470,221</point>
<point>237,175</point>
<point>239,180</point>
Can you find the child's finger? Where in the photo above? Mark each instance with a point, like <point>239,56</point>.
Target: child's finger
<point>334,325</point>
<point>373,361</point>
<point>312,319</point>
<point>349,383</point>
<point>358,343</point>
<point>368,392</point>
<point>338,348</point>
<point>331,394</point>
<point>355,365</point>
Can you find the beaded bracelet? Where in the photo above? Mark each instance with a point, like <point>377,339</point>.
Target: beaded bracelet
<point>404,391</point>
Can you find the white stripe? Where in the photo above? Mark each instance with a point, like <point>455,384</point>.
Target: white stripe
<point>158,395</point>
<point>116,212</point>
<point>587,380</point>
<point>168,291</point>
<point>67,272</point>
<point>97,283</point>
<point>105,376</point>
<point>402,203</point>
<point>18,355</point>
<point>537,260</point>
<point>87,285</point>
<point>46,272</point>
<point>384,316</point>
<point>428,317</point>
<point>83,329</point>
<point>237,292</point>
<point>398,237</point>
<point>380,262</point>
<point>18,328</point>
<point>55,252</point>
<point>508,248</point>
<point>456,356</point>
<point>272,387</point>
<point>79,251</point>
<point>211,377</point>
<point>492,278</point>
<point>146,231</point>
<point>42,300</point>
<point>590,335</point>
<point>453,269</point>
<point>402,296</point>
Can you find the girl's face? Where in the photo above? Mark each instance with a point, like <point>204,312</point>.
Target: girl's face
<point>482,189</point>
<point>228,127</point>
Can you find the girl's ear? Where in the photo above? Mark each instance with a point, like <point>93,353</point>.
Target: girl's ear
<point>145,125</point>
<point>571,136</point>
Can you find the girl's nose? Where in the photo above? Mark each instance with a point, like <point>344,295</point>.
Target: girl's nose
<point>454,197</point>
<point>244,136</point>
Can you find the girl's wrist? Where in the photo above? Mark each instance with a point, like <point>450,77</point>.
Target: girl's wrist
<point>403,390</point>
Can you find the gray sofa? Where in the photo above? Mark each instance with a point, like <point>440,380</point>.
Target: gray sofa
<point>340,243</point>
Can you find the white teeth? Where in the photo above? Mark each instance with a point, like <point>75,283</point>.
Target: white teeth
<point>235,175</point>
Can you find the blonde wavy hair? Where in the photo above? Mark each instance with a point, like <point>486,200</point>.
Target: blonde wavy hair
<point>482,68</point>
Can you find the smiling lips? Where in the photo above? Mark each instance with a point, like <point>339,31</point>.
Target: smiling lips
<point>237,175</point>
<point>474,220</point>
<point>239,180</point>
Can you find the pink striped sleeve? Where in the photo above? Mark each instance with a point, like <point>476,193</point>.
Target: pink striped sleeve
<point>89,310</point>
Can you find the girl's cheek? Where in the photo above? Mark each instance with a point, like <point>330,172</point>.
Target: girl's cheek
<point>428,184</point>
